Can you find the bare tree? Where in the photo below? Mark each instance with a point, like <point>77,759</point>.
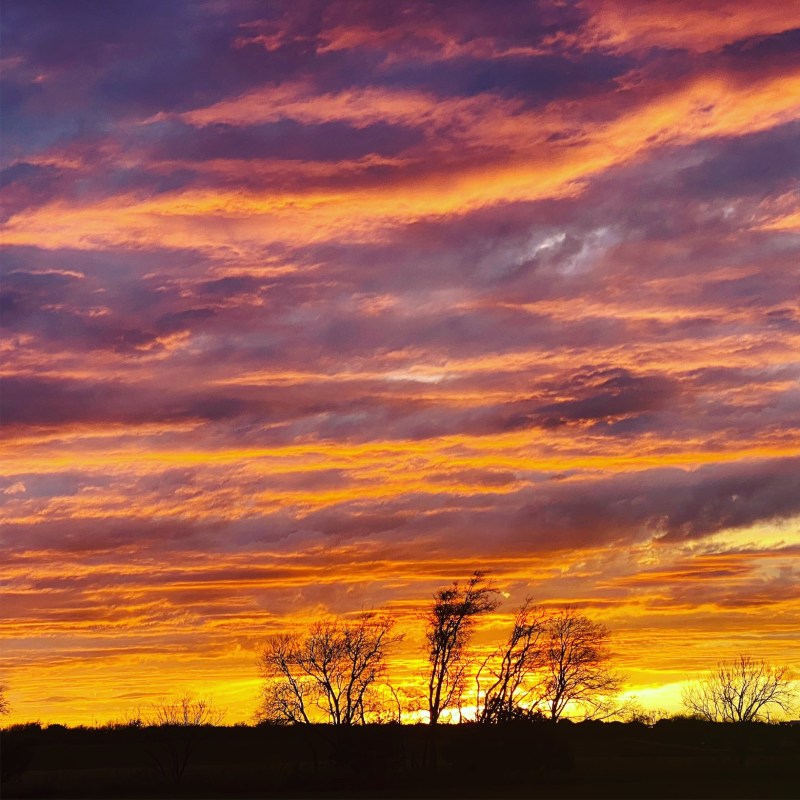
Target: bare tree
<point>632,711</point>
<point>5,706</point>
<point>742,690</point>
<point>335,668</point>
<point>405,700</point>
<point>576,669</point>
<point>507,679</point>
<point>287,690</point>
<point>449,627</point>
<point>184,711</point>
<point>172,731</point>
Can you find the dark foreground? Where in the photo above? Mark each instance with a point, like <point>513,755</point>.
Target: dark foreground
<point>674,758</point>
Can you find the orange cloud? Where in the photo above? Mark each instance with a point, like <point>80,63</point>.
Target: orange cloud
<point>627,24</point>
<point>712,105</point>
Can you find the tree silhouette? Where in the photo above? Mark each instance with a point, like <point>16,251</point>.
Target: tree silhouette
<point>507,679</point>
<point>173,728</point>
<point>449,627</point>
<point>287,691</point>
<point>185,712</point>
<point>576,668</point>
<point>741,690</point>
<point>5,706</point>
<point>335,669</point>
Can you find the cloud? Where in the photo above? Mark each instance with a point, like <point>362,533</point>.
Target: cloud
<point>286,140</point>
<point>619,395</point>
<point>625,24</point>
<point>314,307</point>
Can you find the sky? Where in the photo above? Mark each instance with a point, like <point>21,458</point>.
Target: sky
<point>311,308</point>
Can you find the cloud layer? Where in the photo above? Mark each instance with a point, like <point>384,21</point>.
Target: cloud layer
<point>314,307</point>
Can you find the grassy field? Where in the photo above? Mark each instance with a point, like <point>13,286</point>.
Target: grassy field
<point>674,758</point>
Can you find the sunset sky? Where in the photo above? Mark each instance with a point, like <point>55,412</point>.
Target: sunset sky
<point>314,307</point>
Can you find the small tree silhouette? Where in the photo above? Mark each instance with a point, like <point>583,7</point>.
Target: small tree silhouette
<point>335,668</point>
<point>186,712</point>
<point>742,690</point>
<point>173,728</point>
<point>5,706</point>
<point>508,678</point>
<point>576,668</point>
<point>449,627</point>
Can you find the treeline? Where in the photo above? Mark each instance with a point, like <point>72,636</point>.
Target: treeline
<point>329,722</point>
<point>337,671</point>
<point>552,663</point>
<point>530,758</point>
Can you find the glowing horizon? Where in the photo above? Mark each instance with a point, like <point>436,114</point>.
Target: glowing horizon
<point>315,309</point>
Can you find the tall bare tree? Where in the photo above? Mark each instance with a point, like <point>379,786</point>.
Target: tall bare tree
<point>334,669</point>
<point>577,669</point>
<point>449,627</point>
<point>5,706</point>
<point>742,690</point>
<point>508,678</point>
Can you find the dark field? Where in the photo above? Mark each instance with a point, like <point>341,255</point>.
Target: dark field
<point>674,758</point>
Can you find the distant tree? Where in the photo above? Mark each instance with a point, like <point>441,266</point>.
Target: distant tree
<point>509,677</point>
<point>576,666</point>
<point>742,690</point>
<point>449,627</point>
<point>405,700</point>
<point>5,706</point>
<point>335,668</point>
<point>633,711</point>
<point>172,730</point>
<point>185,711</point>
